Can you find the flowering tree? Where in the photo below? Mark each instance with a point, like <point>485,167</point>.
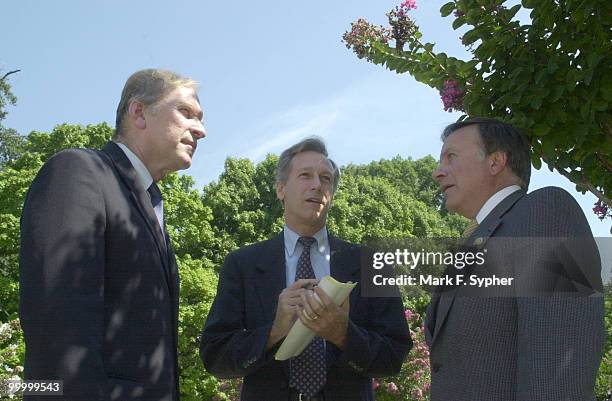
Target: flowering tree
<point>552,77</point>
<point>413,382</point>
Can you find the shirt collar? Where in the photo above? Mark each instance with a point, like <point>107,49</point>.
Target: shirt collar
<point>494,201</point>
<point>291,239</point>
<point>144,177</point>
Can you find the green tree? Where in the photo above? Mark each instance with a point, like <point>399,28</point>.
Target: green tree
<point>11,145</point>
<point>388,198</point>
<point>10,140</point>
<point>550,77</point>
<point>6,96</point>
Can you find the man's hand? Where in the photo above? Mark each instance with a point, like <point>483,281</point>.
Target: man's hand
<point>324,317</point>
<point>289,305</point>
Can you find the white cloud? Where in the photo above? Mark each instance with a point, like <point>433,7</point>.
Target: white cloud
<point>286,128</point>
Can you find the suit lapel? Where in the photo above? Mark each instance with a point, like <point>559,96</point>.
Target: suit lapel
<point>140,199</point>
<point>270,275</point>
<point>339,266</point>
<point>444,300</point>
<point>270,279</point>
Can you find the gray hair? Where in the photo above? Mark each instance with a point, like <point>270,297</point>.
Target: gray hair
<point>148,86</point>
<point>496,136</point>
<point>311,144</point>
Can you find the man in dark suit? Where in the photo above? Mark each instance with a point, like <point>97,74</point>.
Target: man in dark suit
<point>263,288</point>
<point>540,338</point>
<point>98,280</point>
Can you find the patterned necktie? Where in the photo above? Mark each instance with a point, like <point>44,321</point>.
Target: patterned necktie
<point>469,230</point>
<point>308,370</point>
<point>157,203</point>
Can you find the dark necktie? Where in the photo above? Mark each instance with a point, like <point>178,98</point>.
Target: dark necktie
<point>308,370</point>
<point>158,205</point>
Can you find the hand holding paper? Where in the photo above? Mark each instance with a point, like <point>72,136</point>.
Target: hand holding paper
<point>328,320</point>
<point>300,335</point>
<point>289,305</point>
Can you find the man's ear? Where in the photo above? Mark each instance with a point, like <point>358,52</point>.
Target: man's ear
<point>497,162</point>
<point>280,191</point>
<point>136,115</point>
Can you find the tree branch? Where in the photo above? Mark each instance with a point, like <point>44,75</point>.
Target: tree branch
<point>9,73</point>
<point>583,181</point>
<point>603,161</point>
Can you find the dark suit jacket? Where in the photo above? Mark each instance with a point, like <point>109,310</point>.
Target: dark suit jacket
<point>99,283</point>
<point>239,322</point>
<point>539,340</point>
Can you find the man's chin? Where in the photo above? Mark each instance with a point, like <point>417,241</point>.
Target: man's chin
<point>185,163</point>
<point>320,216</point>
<point>449,204</point>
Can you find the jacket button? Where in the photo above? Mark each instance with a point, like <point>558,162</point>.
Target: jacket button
<point>436,367</point>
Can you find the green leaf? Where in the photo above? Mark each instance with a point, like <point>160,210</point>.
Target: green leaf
<point>600,105</point>
<point>529,3</point>
<point>512,12</point>
<point>584,110</point>
<point>593,59</point>
<point>459,22</point>
<point>541,129</point>
<point>474,14</point>
<point>471,36</point>
<point>539,75</point>
<point>536,161</point>
<point>589,76</point>
<point>446,9</point>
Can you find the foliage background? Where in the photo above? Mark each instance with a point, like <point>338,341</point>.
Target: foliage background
<point>549,75</point>
<point>387,198</point>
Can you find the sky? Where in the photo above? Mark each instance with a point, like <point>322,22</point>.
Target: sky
<point>270,73</point>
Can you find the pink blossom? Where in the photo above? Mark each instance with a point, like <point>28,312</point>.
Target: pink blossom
<point>392,388</point>
<point>375,384</point>
<point>452,96</point>
<point>408,5</point>
<point>601,210</point>
<point>408,313</point>
<point>362,35</point>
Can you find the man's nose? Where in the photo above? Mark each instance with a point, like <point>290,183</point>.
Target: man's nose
<point>438,173</point>
<point>198,131</point>
<point>316,182</point>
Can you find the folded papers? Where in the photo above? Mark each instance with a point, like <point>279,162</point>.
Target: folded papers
<point>300,336</point>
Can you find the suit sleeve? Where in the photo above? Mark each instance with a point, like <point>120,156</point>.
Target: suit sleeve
<point>378,339</point>
<point>560,327</point>
<point>227,348</point>
<point>378,345</point>
<point>62,276</point>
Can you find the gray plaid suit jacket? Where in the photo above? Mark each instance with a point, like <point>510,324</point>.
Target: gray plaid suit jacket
<point>540,340</point>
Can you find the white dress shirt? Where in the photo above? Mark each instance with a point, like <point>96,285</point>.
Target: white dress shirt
<point>145,179</point>
<point>319,254</point>
<point>494,201</point>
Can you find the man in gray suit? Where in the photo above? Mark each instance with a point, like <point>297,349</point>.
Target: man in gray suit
<point>540,339</point>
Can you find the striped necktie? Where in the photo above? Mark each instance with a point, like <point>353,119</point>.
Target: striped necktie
<point>469,230</point>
